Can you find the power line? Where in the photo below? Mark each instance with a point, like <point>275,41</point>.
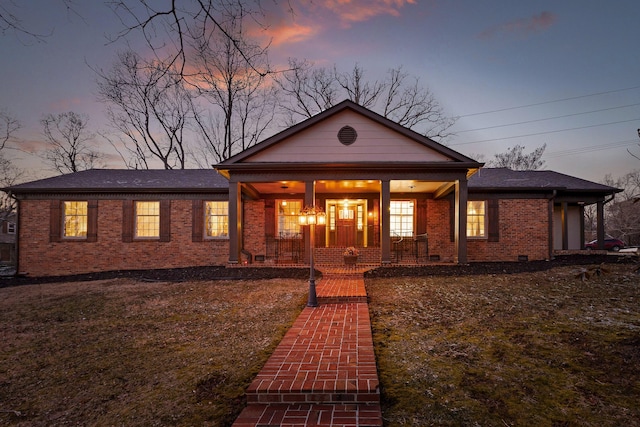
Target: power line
<point>548,118</point>
<point>545,133</point>
<point>583,150</point>
<point>549,102</point>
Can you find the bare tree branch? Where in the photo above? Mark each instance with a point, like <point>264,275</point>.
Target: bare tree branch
<point>70,143</point>
<point>150,106</point>
<point>515,159</point>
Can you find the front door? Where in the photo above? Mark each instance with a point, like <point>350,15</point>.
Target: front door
<point>346,227</point>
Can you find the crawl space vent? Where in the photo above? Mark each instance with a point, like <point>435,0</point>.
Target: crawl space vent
<point>347,135</point>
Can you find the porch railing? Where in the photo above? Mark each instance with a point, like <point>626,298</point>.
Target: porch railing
<point>285,249</point>
<point>410,248</point>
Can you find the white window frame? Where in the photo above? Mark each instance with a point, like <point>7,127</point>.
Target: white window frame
<point>402,218</point>
<point>143,219</point>
<point>75,219</point>
<point>287,222</point>
<point>477,221</point>
<point>216,216</point>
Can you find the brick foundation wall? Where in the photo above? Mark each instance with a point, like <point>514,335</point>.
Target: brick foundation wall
<point>524,230</point>
<point>39,257</point>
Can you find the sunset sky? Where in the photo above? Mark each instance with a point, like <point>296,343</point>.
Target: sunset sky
<point>564,73</point>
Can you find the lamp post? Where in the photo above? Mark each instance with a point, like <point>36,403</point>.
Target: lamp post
<point>312,215</point>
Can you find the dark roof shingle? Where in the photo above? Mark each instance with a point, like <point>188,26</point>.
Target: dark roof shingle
<point>128,180</point>
<point>507,179</point>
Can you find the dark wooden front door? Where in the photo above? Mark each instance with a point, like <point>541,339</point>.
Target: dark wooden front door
<point>346,227</point>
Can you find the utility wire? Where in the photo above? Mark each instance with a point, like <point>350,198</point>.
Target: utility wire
<point>548,118</point>
<point>549,102</point>
<point>545,133</point>
<point>583,150</point>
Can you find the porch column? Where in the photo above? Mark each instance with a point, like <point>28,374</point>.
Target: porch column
<point>385,212</point>
<point>235,221</point>
<point>309,200</point>
<point>600,226</point>
<point>565,226</point>
<point>461,198</point>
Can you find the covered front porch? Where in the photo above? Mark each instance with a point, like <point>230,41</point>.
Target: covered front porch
<point>394,221</point>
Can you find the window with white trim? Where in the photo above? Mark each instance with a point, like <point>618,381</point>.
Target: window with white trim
<point>476,218</point>
<point>287,221</point>
<point>74,220</point>
<point>401,218</point>
<point>217,220</point>
<point>147,220</point>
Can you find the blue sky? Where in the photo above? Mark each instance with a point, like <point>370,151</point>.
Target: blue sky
<point>573,66</point>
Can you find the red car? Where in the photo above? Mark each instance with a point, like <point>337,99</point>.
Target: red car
<point>609,244</point>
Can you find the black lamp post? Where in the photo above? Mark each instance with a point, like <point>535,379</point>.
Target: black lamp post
<point>312,215</point>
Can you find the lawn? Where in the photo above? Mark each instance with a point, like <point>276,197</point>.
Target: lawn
<point>134,353</point>
<point>543,349</point>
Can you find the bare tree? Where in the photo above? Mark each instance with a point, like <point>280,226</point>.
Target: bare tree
<point>398,97</point>
<point>239,100</point>
<point>70,143</point>
<point>150,106</point>
<point>637,156</point>
<point>514,158</point>
<point>171,28</point>
<point>9,125</point>
<point>623,214</point>
<point>307,91</point>
<point>10,174</point>
<point>12,22</point>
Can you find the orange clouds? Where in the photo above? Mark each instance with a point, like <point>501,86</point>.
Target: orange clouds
<point>522,26</point>
<point>362,10</point>
<point>306,20</point>
<point>293,33</point>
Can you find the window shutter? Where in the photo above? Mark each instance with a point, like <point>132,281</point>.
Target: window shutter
<point>493,220</point>
<point>55,221</point>
<point>165,220</point>
<point>269,217</point>
<point>92,221</point>
<point>127,220</point>
<point>421,217</point>
<point>197,221</point>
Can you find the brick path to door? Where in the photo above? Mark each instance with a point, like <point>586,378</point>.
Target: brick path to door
<point>323,373</point>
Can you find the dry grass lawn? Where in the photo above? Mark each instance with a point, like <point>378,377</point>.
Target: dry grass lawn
<point>543,349</point>
<point>131,353</point>
<point>530,349</point>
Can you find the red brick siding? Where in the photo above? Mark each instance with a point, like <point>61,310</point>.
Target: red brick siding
<point>254,234</point>
<point>438,230</point>
<point>524,230</point>
<point>39,257</point>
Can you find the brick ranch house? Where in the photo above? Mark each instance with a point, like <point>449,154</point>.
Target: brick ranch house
<point>397,196</point>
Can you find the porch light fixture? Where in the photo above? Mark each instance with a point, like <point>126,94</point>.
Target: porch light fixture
<point>312,215</point>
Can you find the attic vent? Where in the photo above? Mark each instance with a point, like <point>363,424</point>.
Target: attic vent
<point>347,135</point>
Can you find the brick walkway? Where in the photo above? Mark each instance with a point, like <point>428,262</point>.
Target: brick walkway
<point>323,373</point>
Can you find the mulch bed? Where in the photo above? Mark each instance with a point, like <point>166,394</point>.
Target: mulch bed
<point>302,272</point>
